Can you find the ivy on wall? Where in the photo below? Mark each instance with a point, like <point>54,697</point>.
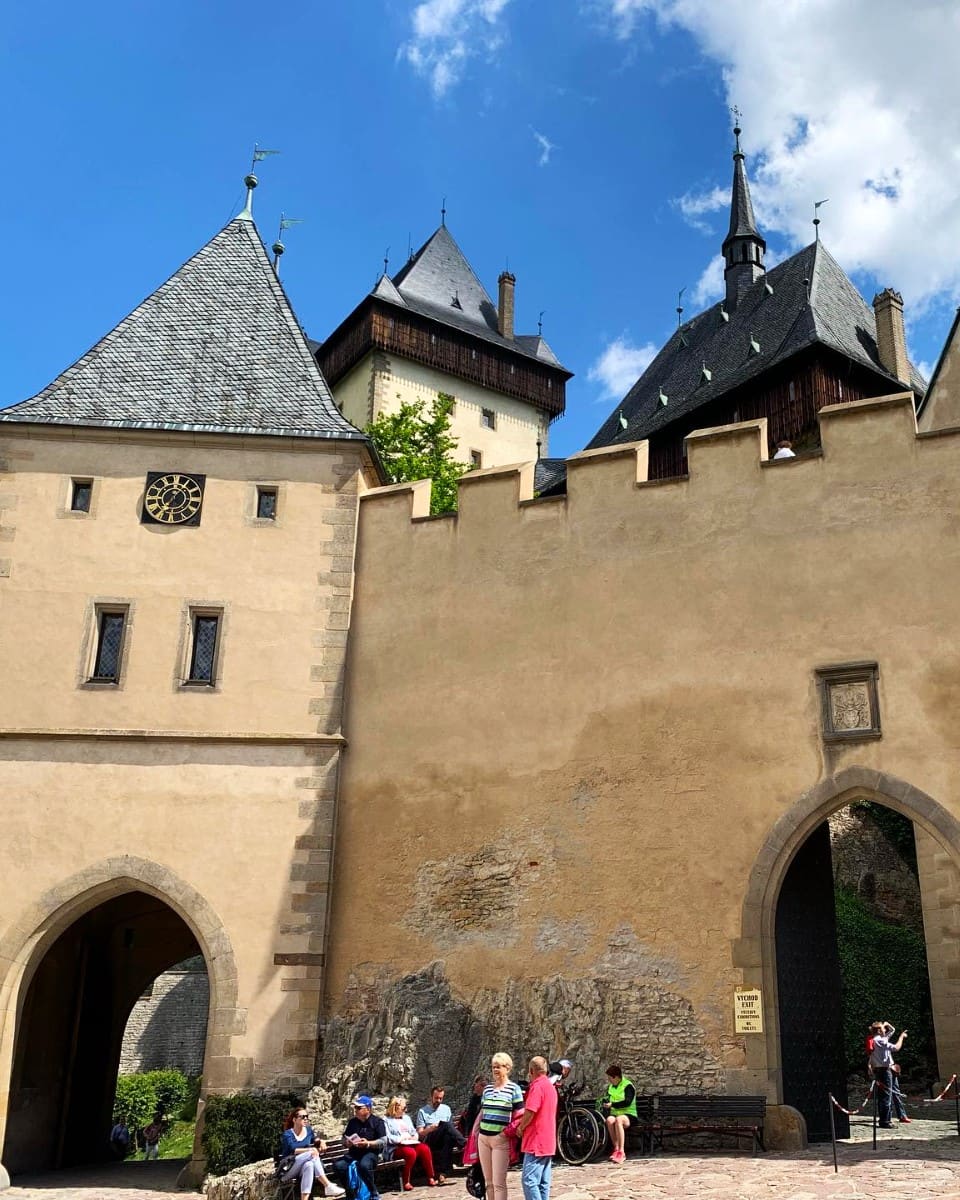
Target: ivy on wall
<point>884,973</point>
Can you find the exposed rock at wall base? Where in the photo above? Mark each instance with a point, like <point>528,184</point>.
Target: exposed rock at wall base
<point>255,1181</point>
<point>401,1035</point>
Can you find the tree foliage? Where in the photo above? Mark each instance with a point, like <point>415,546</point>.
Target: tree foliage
<point>243,1128</point>
<point>416,443</point>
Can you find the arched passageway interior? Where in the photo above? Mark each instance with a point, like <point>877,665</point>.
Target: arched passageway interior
<point>70,1028</point>
<point>850,948</point>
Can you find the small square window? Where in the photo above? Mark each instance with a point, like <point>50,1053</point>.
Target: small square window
<point>267,503</point>
<point>488,418</point>
<point>111,627</point>
<point>476,459</point>
<point>205,631</point>
<point>80,493</point>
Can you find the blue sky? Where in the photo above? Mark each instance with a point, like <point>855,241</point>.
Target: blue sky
<point>585,142</point>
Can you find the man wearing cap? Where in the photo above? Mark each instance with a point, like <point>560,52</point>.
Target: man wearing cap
<point>365,1137</point>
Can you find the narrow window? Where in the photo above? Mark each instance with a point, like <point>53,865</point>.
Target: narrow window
<point>476,459</point>
<point>488,418</point>
<point>267,503</point>
<point>110,630</point>
<point>203,652</point>
<point>80,492</point>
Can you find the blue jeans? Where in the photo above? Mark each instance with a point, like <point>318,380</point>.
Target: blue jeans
<point>535,1176</point>
<point>883,1077</point>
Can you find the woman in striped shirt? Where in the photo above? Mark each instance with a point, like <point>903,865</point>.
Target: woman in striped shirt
<point>501,1103</point>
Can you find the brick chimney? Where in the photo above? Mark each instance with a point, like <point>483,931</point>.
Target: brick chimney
<point>505,307</point>
<point>891,339</point>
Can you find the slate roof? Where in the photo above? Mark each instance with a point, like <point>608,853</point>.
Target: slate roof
<point>439,283</point>
<point>781,322</point>
<point>547,473</point>
<point>217,348</point>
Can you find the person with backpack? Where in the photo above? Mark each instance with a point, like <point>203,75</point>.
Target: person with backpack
<point>120,1138</point>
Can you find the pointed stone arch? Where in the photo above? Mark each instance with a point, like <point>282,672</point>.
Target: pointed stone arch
<point>755,951</point>
<point>28,938</point>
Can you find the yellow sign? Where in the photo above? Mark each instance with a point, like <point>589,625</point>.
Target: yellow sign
<point>747,1010</point>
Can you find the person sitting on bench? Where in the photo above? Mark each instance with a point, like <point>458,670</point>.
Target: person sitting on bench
<point>403,1142</point>
<point>434,1122</point>
<point>620,1110</point>
<point>366,1137</point>
<point>298,1138</point>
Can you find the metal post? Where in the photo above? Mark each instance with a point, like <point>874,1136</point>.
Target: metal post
<point>833,1137</point>
<point>875,1114</point>
<point>956,1101</point>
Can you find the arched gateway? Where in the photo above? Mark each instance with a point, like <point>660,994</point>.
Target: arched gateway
<point>75,963</point>
<point>756,953</point>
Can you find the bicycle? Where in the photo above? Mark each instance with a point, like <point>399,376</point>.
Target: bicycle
<point>581,1130</point>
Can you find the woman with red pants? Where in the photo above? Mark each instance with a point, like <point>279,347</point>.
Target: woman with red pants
<point>403,1142</point>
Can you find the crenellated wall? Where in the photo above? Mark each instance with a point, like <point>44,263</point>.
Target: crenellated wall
<point>584,730</point>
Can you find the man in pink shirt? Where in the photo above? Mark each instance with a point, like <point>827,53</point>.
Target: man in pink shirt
<point>538,1130</point>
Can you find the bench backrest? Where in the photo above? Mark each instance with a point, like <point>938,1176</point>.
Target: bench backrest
<point>752,1108</point>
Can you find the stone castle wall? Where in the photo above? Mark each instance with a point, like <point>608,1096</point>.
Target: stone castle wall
<point>580,728</point>
<point>168,1024</point>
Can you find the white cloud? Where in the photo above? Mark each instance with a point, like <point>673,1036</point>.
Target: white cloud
<point>447,33</point>
<point>709,287</point>
<point>620,366</point>
<point>852,100</point>
<point>546,147</point>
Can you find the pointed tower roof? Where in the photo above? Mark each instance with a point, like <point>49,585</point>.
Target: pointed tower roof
<point>742,221</point>
<point>217,348</point>
<point>439,274</point>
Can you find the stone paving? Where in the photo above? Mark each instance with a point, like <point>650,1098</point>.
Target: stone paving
<point>912,1162</point>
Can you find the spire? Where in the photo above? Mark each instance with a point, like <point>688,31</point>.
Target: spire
<point>743,248</point>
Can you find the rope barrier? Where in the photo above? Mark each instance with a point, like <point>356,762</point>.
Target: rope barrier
<point>852,1112</point>
<point>943,1094</point>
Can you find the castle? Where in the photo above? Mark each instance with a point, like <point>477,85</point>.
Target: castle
<point>550,773</point>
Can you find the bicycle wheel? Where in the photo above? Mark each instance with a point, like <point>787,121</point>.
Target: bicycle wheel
<point>577,1136</point>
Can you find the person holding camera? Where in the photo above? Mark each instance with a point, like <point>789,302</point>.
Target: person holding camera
<point>881,1064</point>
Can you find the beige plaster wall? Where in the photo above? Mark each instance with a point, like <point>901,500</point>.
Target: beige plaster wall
<point>381,383</point>
<point>576,724</point>
<point>218,800</point>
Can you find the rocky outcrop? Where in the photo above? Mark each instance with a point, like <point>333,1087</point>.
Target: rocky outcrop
<point>404,1034</point>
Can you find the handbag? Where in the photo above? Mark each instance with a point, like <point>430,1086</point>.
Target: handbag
<point>282,1164</point>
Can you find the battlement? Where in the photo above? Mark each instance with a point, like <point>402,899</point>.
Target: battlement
<point>868,443</point>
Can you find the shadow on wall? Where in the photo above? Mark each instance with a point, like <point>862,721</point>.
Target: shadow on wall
<point>405,1034</point>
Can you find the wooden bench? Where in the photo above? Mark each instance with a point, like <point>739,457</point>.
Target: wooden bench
<point>738,1117</point>
<point>387,1174</point>
<point>640,1136</point>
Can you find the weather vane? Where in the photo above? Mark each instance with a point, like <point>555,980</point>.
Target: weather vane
<point>680,307</point>
<point>816,217</point>
<point>540,322</point>
<point>259,155</point>
<point>278,246</point>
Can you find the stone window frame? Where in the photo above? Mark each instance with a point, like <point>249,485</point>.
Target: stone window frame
<point>65,507</point>
<point>96,611</point>
<point>856,672</point>
<point>190,612</point>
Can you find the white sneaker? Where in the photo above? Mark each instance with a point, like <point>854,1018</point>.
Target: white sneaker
<point>333,1189</point>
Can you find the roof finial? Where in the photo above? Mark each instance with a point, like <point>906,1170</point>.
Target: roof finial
<point>680,307</point>
<point>278,246</point>
<point>816,217</point>
<point>386,259</point>
<point>443,212</point>
<point>539,449</point>
<point>251,181</point>
<point>540,323</point>
<point>737,114</point>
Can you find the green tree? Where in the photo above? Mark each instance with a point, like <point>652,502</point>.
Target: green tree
<point>417,444</point>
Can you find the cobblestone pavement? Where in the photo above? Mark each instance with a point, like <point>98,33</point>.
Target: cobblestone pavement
<point>912,1162</point>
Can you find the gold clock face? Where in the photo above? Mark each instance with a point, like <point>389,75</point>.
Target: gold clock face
<point>173,498</point>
